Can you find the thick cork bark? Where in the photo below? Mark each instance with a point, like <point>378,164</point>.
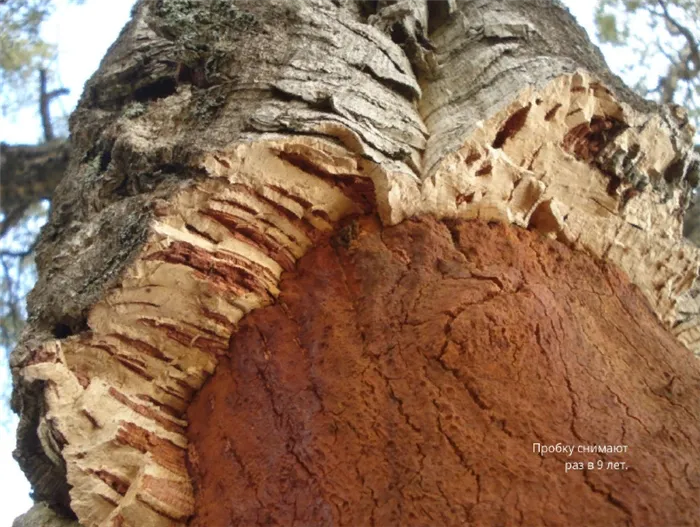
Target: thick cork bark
<point>221,141</point>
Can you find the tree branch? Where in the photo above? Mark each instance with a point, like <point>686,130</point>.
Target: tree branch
<point>12,218</point>
<point>28,174</point>
<point>31,173</point>
<point>16,254</point>
<point>45,98</point>
<point>687,66</point>
<point>687,33</point>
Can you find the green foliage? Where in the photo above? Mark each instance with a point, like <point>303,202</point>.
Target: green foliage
<point>607,27</point>
<point>658,36</point>
<point>22,51</point>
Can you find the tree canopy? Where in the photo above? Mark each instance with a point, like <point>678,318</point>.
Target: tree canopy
<point>22,50</point>
<point>662,37</point>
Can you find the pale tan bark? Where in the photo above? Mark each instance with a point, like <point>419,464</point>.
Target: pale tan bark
<point>205,166</point>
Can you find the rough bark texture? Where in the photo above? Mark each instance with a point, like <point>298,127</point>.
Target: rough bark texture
<point>404,374</point>
<point>220,141</point>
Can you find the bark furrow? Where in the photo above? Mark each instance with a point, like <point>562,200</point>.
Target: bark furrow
<point>220,141</point>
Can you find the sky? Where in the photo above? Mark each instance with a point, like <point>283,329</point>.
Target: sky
<point>83,33</point>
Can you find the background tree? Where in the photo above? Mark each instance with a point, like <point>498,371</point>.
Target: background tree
<point>22,51</point>
<point>28,173</point>
<point>662,40</point>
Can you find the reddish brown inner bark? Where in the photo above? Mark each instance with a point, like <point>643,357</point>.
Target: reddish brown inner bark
<point>405,373</point>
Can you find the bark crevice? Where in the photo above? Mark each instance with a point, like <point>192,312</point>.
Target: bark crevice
<point>210,153</point>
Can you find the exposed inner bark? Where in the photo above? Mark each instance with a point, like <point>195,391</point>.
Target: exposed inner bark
<point>576,163</point>
<point>216,250</point>
<point>221,140</point>
<point>120,391</point>
<point>405,373</point>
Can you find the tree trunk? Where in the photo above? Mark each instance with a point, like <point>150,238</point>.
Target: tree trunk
<point>424,242</point>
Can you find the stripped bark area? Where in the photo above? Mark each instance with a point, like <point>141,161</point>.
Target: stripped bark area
<point>585,168</point>
<point>220,141</point>
<point>403,378</point>
<point>215,252</point>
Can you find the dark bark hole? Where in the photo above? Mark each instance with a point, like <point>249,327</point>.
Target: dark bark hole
<point>552,112</point>
<point>512,126</point>
<point>65,329</point>
<point>465,198</point>
<point>369,7</point>
<point>633,152</point>
<point>587,140</point>
<point>124,188</point>
<point>192,75</point>
<point>439,14</point>
<point>283,95</point>
<point>472,157</point>
<point>61,331</point>
<point>613,185</point>
<point>485,169</point>
<point>398,34</point>
<point>159,89</point>
<point>105,159</point>
<point>674,172</point>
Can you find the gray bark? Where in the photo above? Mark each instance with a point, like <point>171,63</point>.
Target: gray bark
<point>187,77</point>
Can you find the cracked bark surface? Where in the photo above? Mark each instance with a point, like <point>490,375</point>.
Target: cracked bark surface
<point>405,372</point>
<point>220,141</point>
